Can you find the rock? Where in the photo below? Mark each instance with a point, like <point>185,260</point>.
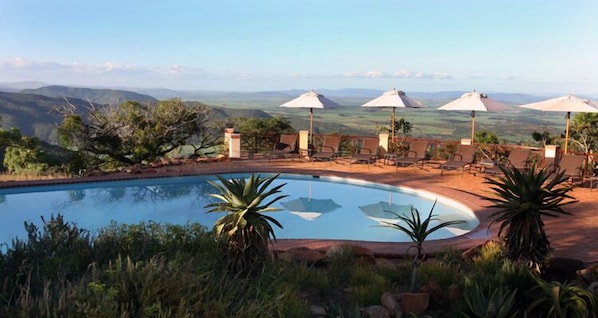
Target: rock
<point>303,255</point>
<point>359,253</point>
<point>588,274</point>
<point>375,312</point>
<point>318,311</point>
<point>390,303</point>
<point>562,269</point>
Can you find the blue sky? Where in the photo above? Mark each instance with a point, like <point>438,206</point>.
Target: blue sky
<point>547,47</point>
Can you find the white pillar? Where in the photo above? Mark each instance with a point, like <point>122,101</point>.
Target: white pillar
<point>551,153</point>
<point>303,139</point>
<point>233,141</point>
<point>383,141</point>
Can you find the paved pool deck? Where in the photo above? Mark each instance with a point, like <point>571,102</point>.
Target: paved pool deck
<point>572,236</point>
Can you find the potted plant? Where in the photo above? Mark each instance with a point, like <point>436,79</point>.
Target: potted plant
<point>417,230</point>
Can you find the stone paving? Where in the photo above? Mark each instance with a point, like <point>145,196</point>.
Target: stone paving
<point>571,236</point>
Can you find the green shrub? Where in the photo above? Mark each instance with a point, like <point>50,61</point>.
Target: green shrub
<point>367,286</point>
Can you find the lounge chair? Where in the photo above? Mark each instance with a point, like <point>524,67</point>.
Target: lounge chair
<point>464,157</point>
<point>572,165</point>
<point>367,151</point>
<point>329,149</point>
<point>285,148</point>
<point>415,154</point>
<point>517,159</point>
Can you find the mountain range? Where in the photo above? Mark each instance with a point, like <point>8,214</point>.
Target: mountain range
<point>29,106</point>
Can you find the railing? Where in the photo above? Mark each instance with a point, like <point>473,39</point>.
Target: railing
<point>252,143</point>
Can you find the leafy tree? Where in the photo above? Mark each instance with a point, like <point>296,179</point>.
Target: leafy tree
<point>543,136</point>
<point>134,133</point>
<point>245,229</point>
<point>522,199</point>
<point>257,132</point>
<point>486,137</point>
<point>584,132</point>
<point>24,154</point>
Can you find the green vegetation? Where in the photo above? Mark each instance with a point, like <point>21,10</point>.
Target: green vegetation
<point>93,95</point>
<point>163,270</point>
<point>132,133</point>
<point>522,199</point>
<point>418,231</point>
<point>245,230</point>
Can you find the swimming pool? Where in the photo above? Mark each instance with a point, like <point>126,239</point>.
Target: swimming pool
<point>316,207</point>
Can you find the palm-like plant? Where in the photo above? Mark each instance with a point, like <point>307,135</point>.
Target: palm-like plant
<point>558,300</point>
<point>522,199</point>
<point>245,228</point>
<point>418,230</point>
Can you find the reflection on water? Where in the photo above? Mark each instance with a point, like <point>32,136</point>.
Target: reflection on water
<point>328,208</point>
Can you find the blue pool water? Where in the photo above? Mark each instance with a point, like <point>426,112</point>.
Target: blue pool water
<point>316,207</point>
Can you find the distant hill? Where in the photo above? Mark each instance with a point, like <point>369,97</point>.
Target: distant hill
<point>33,114</point>
<point>95,95</point>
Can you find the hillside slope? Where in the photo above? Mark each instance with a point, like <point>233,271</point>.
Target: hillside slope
<point>33,114</point>
<point>97,96</point>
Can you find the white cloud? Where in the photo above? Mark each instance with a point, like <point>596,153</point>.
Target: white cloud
<point>402,74</point>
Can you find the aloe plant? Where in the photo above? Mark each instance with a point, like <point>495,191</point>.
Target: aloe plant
<point>522,199</point>
<point>245,228</point>
<point>418,231</point>
<point>562,300</point>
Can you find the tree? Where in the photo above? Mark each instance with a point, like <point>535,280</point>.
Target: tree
<point>134,133</point>
<point>486,137</point>
<point>584,131</point>
<point>523,199</point>
<point>543,136</point>
<point>245,229</point>
<point>258,132</point>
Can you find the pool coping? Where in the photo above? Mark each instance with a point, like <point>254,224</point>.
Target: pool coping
<point>573,239</point>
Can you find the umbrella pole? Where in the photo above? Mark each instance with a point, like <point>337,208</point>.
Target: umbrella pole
<point>392,133</point>
<point>567,131</point>
<point>311,127</point>
<point>472,126</point>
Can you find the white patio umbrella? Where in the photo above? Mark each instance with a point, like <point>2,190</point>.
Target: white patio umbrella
<point>309,208</point>
<point>569,104</point>
<point>310,100</point>
<point>474,101</point>
<point>394,99</point>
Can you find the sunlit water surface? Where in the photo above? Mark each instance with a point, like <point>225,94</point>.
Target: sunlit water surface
<point>316,207</point>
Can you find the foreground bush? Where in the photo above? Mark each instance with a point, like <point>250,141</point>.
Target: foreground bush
<point>153,270</point>
<point>144,270</point>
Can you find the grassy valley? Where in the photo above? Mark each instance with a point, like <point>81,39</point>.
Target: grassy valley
<point>30,110</point>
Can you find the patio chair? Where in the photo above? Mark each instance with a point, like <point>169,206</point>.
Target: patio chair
<point>329,149</point>
<point>285,148</point>
<point>366,152</point>
<point>464,157</point>
<point>572,165</point>
<point>415,154</point>
<point>517,159</point>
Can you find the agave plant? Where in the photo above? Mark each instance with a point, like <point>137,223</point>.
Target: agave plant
<point>498,302</point>
<point>418,230</point>
<point>245,228</point>
<point>562,300</point>
<point>522,199</point>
